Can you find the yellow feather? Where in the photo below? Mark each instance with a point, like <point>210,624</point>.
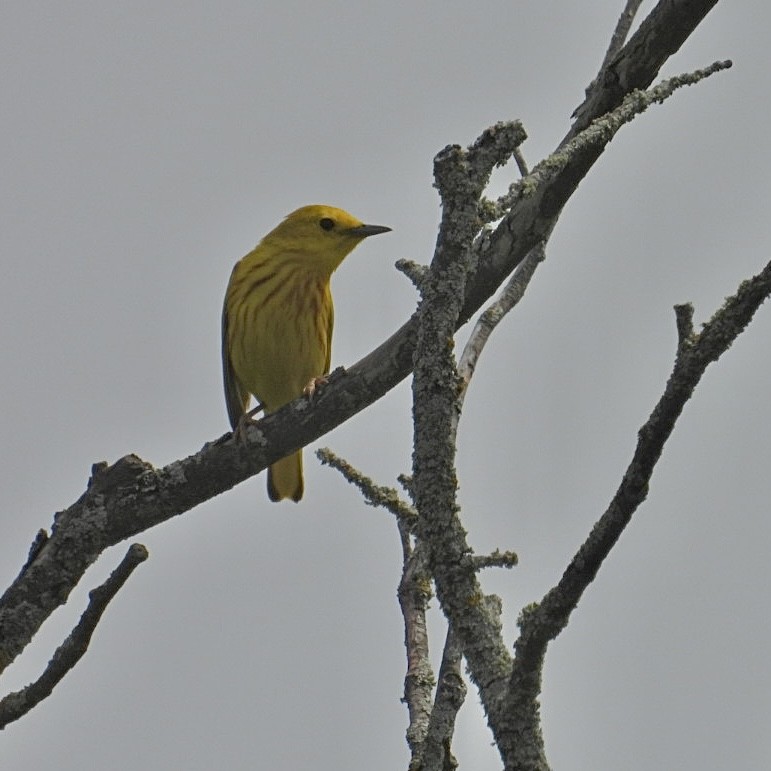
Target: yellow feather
<point>278,316</point>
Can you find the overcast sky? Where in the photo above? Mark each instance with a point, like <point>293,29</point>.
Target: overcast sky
<point>148,146</point>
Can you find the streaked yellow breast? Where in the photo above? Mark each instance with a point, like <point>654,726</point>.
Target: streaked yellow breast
<point>279,333</point>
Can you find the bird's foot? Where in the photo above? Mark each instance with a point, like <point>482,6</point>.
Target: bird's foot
<point>313,384</point>
<point>239,432</point>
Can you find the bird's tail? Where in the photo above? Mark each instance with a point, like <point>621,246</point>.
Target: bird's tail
<point>285,478</point>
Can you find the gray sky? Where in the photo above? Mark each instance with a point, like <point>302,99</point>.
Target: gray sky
<point>146,147</point>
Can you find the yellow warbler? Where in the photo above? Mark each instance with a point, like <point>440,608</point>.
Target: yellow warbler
<point>277,320</point>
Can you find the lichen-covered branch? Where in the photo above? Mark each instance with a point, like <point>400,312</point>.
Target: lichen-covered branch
<point>436,410</point>
<point>635,66</point>
<point>414,593</point>
<point>374,494</point>
<point>436,752</point>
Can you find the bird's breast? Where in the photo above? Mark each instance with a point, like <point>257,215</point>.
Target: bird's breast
<point>282,337</point>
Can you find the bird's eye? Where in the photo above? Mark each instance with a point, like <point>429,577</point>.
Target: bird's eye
<point>327,223</point>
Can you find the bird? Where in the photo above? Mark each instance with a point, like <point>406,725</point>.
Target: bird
<point>277,321</point>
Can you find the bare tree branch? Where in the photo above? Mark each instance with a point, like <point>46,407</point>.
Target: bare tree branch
<point>521,162</point>
<point>540,623</point>
<point>450,693</point>
<point>414,593</point>
<point>437,398</point>
<point>374,495</point>
<point>431,724</point>
<point>17,704</point>
<point>436,410</point>
<point>618,38</point>
<point>493,315</point>
<point>635,66</point>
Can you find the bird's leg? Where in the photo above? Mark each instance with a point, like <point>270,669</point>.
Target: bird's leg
<point>239,433</point>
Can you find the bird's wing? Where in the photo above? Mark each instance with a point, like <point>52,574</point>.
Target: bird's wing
<point>236,398</point>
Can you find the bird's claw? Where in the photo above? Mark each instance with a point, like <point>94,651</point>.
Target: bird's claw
<point>313,384</point>
<point>239,432</point>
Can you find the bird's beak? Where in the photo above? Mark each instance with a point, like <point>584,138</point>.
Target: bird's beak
<point>368,230</point>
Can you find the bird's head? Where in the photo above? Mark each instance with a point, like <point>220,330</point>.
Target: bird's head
<point>323,235</point>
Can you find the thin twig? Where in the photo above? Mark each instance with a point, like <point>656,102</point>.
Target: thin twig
<point>374,495</point>
<point>413,593</point>
<point>17,704</point>
<point>620,33</point>
<point>520,161</point>
<point>602,129</point>
<point>493,315</point>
